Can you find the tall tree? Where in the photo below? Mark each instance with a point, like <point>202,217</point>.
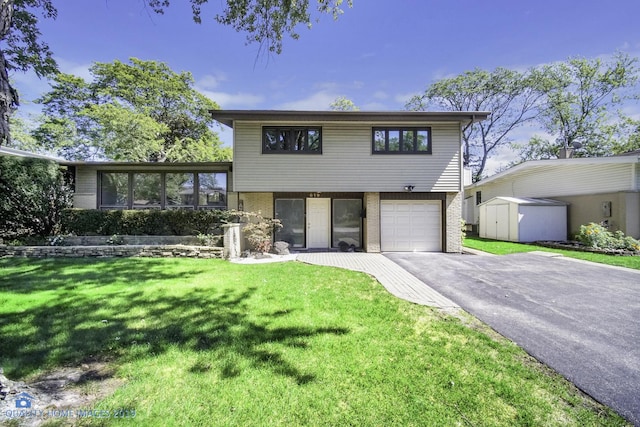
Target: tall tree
<point>21,49</point>
<point>264,21</point>
<point>578,109</point>
<point>509,95</point>
<point>136,111</point>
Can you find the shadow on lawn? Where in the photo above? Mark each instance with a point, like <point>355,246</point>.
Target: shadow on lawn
<point>132,324</point>
<point>66,274</point>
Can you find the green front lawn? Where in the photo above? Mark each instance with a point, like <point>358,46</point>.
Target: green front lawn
<point>206,342</point>
<point>504,248</point>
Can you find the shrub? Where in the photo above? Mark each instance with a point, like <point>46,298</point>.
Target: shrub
<point>598,237</point>
<point>258,230</point>
<point>143,222</point>
<point>33,194</point>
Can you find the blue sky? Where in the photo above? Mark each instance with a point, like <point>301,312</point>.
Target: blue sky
<point>378,54</point>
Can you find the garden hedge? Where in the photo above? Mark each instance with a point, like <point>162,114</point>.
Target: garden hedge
<point>172,222</point>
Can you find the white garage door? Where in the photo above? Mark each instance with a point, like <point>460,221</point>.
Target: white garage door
<point>410,225</point>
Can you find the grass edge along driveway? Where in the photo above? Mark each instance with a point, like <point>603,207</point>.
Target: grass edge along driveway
<point>498,247</point>
<point>207,342</point>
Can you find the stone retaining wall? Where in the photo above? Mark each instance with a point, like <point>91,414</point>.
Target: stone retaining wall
<point>154,251</point>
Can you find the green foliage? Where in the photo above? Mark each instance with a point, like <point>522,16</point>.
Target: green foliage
<point>172,222</point>
<point>343,103</point>
<point>598,237</point>
<point>264,21</point>
<point>21,136</point>
<point>25,50</point>
<point>509,95</point>
<point>258,230</point>
<point>33,194</point>
<point>21,49</point>
<point>136,111</point>
<point>579,98</point>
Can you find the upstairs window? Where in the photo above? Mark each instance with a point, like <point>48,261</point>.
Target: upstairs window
<point>291,140</point>
<point>401,140</point>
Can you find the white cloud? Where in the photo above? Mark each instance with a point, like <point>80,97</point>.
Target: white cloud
<point>318,101</point>
<point>234,100</point>
<point>75,68</point>
<point>210,81</point>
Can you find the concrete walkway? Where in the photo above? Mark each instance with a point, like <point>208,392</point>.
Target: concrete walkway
<point>395,279</point>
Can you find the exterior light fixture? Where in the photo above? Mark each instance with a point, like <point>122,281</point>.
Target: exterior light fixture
<point>409,188</point>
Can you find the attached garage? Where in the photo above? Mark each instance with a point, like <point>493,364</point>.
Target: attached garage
<point>411,225</point>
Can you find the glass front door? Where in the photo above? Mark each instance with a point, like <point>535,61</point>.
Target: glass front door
<point>347,223</point>
<point>291,213</point>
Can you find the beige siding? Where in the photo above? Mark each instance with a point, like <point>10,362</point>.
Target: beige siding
<point>346,163</point>
<point>625,207</point>
<point>562,181</point>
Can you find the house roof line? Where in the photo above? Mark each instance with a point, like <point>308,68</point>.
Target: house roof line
<point>533,164</point>
<point>22,153</point>
<point>145,164</point>
<point>227,117</point>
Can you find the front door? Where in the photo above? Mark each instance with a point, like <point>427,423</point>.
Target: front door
<point>318,222</point>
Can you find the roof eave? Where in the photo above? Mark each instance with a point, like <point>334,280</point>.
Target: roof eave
<point>228,117</point>
<point>554,162</point>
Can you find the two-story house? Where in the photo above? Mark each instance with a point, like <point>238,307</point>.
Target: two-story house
<point>378,181</point>
<point>374,181</point>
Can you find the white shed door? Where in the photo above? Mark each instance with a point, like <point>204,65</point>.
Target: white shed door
<point>411,225</point>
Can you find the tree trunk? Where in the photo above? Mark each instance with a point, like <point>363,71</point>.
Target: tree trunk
<point>8,95</point>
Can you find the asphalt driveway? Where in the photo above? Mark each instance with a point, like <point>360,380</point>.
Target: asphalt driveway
<point>581,319</point>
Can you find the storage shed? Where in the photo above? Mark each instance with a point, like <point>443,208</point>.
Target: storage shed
<point>523,219</point>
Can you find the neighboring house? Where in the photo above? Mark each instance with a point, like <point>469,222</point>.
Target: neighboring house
<point>379,181</point>
<point>598,189</point>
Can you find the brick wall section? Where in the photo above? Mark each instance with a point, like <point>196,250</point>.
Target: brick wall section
<point>258,202</point>
<point>152,251</point>
<point>372,222</point>
<point>453,215</point>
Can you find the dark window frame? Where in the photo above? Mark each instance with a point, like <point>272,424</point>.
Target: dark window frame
<point>291,139</point>
<point>401,131</point>
<point>163,193</point>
